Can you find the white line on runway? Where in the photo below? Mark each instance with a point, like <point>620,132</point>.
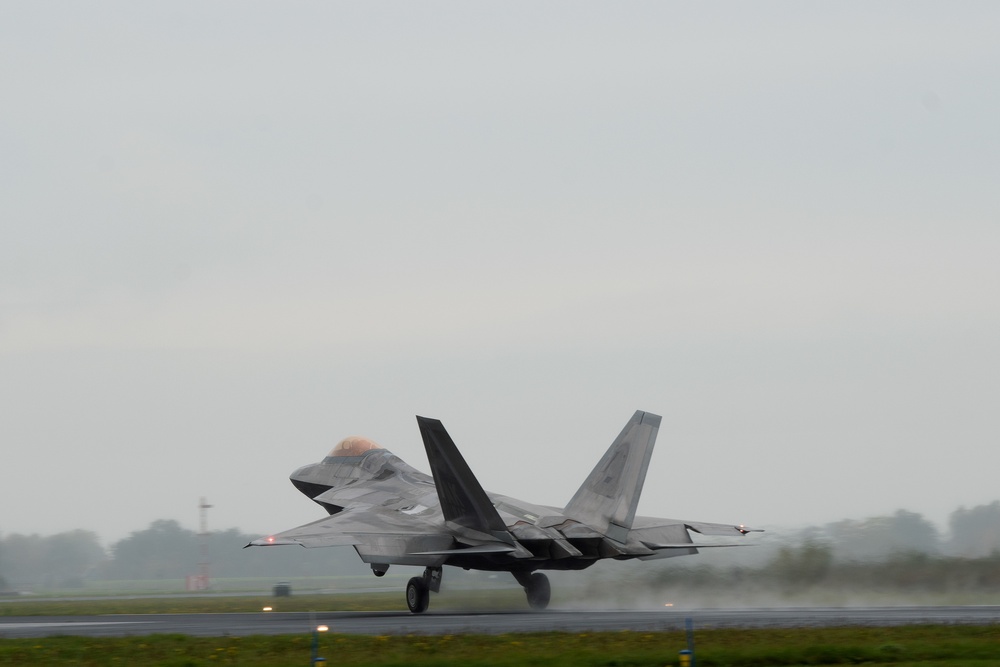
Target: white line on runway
<point>24,626</point>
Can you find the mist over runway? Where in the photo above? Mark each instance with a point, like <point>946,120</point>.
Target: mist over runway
<point>458,622</point>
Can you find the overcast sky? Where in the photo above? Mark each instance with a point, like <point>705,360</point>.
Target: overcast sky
<point>233,233</point>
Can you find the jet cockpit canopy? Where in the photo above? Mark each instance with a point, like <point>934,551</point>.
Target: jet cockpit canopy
<point>354,445</point>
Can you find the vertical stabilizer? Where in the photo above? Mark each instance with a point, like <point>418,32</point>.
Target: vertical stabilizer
<point>463,500</point>
<point>608,498</point>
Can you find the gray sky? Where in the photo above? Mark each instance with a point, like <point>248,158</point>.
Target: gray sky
<point>233,233</point>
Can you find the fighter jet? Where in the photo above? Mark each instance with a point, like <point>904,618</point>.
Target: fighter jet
<point>393,514</point>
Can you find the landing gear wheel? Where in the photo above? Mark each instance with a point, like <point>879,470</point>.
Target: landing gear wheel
<point>538,591</point>
<point>417,595</point>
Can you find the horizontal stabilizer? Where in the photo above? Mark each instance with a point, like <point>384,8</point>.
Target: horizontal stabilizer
<point>461,551</point>
<point>689,545</point>
<point>720,528</point>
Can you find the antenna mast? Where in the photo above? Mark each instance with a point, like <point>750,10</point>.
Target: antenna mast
<point>203,564</point>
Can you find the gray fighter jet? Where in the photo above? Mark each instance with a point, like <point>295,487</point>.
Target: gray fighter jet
<point>392,513</point>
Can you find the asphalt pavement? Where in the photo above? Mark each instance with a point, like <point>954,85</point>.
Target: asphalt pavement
<point>453,622</point>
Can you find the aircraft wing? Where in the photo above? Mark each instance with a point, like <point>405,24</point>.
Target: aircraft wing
<point>649,525</point>
<point>381,536</point>
<point>353,528</point>
<point>720,528</point>
<point>672,537</point>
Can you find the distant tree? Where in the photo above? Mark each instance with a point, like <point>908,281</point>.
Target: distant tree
<point>804,565</point>
<point>883,536</point>
<point>62,560</point>
<point>975,533</point>
<point>22,555</point>
<point>73,556</point>
<point>165,550</point>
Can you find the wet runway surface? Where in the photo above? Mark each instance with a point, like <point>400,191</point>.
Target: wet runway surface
<point>442,623</point>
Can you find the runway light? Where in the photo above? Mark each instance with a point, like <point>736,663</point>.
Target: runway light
<point>266,609</point>
<point>669,604</point>
<point>321,628</point>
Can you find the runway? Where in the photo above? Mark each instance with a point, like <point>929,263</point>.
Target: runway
<point>442,623</point>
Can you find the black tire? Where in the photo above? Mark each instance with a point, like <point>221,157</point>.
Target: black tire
<point>417,595</point>
<point>538,591</point>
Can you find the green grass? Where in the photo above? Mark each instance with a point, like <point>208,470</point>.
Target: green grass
<point>480,600</point>
<point>953,646</point>
<point>339,583</point>
<point>926,646</point>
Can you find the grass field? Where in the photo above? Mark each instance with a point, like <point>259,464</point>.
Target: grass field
<point>501,599</point>
<point>927,646</point>
<point>952,646</point>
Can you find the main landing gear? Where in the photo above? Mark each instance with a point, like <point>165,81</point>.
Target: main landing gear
<point>418,589</point>
<point>536,588</point>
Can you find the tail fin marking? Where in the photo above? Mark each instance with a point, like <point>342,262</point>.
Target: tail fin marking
<point>608,498</point>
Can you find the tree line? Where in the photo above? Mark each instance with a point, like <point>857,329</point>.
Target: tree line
<point>872,550</point>
<point>164,550</point>
<point>898,554</point>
